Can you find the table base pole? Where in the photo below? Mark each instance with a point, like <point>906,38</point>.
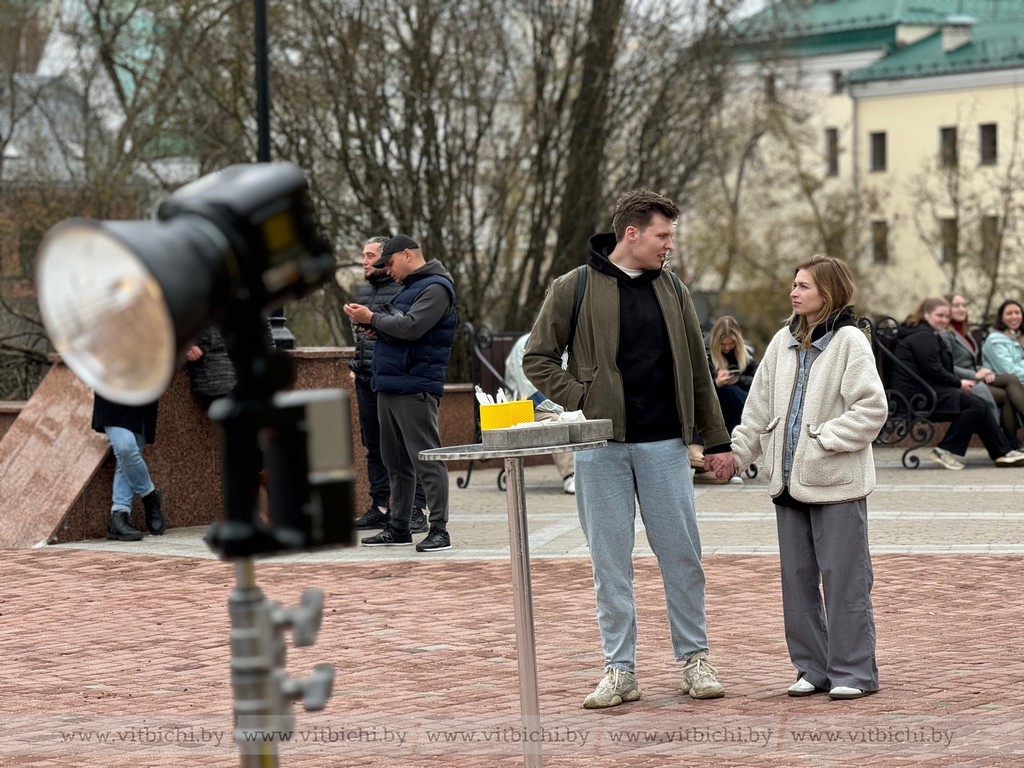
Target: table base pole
<point>526,649</point>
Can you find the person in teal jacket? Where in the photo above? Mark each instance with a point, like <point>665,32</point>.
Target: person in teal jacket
<point>1002,351</point>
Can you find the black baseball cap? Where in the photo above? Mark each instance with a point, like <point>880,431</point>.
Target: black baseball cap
<point>395,245</point>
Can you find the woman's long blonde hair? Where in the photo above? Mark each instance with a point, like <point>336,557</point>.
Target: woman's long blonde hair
<point>835,284</point>
<point>726,327</point>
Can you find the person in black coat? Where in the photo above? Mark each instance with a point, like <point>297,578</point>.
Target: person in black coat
<point>923,352</point>
<point>129,428</point>
<point>377,293</point>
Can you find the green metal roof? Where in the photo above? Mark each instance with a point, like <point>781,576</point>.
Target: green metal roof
<point>822,27</point>
<point>791,21</point>
<point>994,45</point>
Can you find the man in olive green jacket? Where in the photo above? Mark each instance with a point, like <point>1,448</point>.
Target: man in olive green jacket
<point>638,359</point>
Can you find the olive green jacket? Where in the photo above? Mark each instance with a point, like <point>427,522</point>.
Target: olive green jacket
<point>591,381</point>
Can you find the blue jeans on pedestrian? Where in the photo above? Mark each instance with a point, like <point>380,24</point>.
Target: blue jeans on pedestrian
<point>131,475</point>
<point>609,482</point>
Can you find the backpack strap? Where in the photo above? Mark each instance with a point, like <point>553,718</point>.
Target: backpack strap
<point>678,285</point>
<point>577,302</point>
<point>581,289</point>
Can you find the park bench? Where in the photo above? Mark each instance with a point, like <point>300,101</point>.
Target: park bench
<point>912,422</point>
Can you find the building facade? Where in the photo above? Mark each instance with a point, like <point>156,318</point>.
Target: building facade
<point>892,134</point>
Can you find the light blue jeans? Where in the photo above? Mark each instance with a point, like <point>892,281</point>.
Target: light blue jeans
<point>131,475</point>
<point>609,482</point>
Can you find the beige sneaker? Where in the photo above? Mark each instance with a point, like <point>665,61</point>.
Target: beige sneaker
<point>1011,459</point>
<point>617,687</point>
<point>945,459</point>
<point>699,678</point>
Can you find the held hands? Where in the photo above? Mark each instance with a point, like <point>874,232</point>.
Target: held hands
<point>722,464</point>
<point>985,375</point>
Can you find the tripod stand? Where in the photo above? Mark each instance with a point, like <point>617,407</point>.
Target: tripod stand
<point>304,440</point>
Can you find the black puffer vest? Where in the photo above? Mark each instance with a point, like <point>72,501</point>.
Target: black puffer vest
<point>378,294</point>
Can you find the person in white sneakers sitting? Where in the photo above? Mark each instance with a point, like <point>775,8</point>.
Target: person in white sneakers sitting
<point>543,408</point>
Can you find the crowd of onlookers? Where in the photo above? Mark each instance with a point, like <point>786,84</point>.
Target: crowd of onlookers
<point>975,370</point>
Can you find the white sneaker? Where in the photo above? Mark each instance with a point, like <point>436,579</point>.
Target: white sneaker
<point>945,459</point>
<point>569,484</point>
<point>802,688</point>
<point>1011,459</point>
<point>846,692</point>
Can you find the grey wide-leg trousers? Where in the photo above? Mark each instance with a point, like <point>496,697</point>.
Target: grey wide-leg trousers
<point>831,636</point>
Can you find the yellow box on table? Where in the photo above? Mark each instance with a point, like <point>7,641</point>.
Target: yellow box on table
<point>504,415</point>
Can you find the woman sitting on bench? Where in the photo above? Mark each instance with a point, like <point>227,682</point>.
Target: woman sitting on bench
<point>922,351</point>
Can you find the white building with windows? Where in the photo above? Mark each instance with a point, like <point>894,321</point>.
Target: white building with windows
<point>909,117</point>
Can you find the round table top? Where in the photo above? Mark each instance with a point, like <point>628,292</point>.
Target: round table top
<point>478,451</point>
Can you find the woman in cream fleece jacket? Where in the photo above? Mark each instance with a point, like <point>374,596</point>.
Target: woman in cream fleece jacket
<point>814,408</point>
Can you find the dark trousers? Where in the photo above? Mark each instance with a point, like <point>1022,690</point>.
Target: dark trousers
<point>1008,393</point>
<point>369,428</point>
<point>408,425</point>
<point>732,398</point>
<point>974,418</point>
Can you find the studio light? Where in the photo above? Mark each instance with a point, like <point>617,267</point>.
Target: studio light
<point>122,300</point>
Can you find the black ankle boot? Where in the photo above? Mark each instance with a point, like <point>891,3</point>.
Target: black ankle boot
<point>154,515</point>
<point>119,530</point>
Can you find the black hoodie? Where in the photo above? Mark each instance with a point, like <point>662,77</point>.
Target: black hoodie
<point>644,357</point>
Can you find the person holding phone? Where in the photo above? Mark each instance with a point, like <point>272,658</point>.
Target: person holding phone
<point>733,367</point>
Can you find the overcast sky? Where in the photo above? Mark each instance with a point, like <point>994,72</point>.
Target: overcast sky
<point>751,6</point>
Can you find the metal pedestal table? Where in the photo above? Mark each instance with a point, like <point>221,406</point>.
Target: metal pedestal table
<point>519,546</point>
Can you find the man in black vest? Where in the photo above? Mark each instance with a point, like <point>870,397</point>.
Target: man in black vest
<point>377,294</point>
<point>410,364</point>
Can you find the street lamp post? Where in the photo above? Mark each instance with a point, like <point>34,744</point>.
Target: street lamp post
<point>283,338</point>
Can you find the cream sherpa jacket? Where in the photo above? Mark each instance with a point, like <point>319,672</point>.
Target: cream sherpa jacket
<point>844,410</point>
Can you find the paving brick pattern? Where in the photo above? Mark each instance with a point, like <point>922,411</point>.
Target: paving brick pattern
<point>120,657</point>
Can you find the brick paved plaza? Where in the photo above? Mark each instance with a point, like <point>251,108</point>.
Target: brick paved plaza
<point>116,654</point>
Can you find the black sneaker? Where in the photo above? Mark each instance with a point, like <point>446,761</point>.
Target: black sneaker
<point>436,541</point>
<point>418,522</point>
<point>118,528</point>
<point>389,537</point>
<point>372,518</point>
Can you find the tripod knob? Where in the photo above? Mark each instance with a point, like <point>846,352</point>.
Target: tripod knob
<point>306,617</point>
<point>314,690</point>
<point>303,619</point>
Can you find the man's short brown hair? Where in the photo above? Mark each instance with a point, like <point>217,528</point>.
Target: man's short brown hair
<point>635,209</point>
